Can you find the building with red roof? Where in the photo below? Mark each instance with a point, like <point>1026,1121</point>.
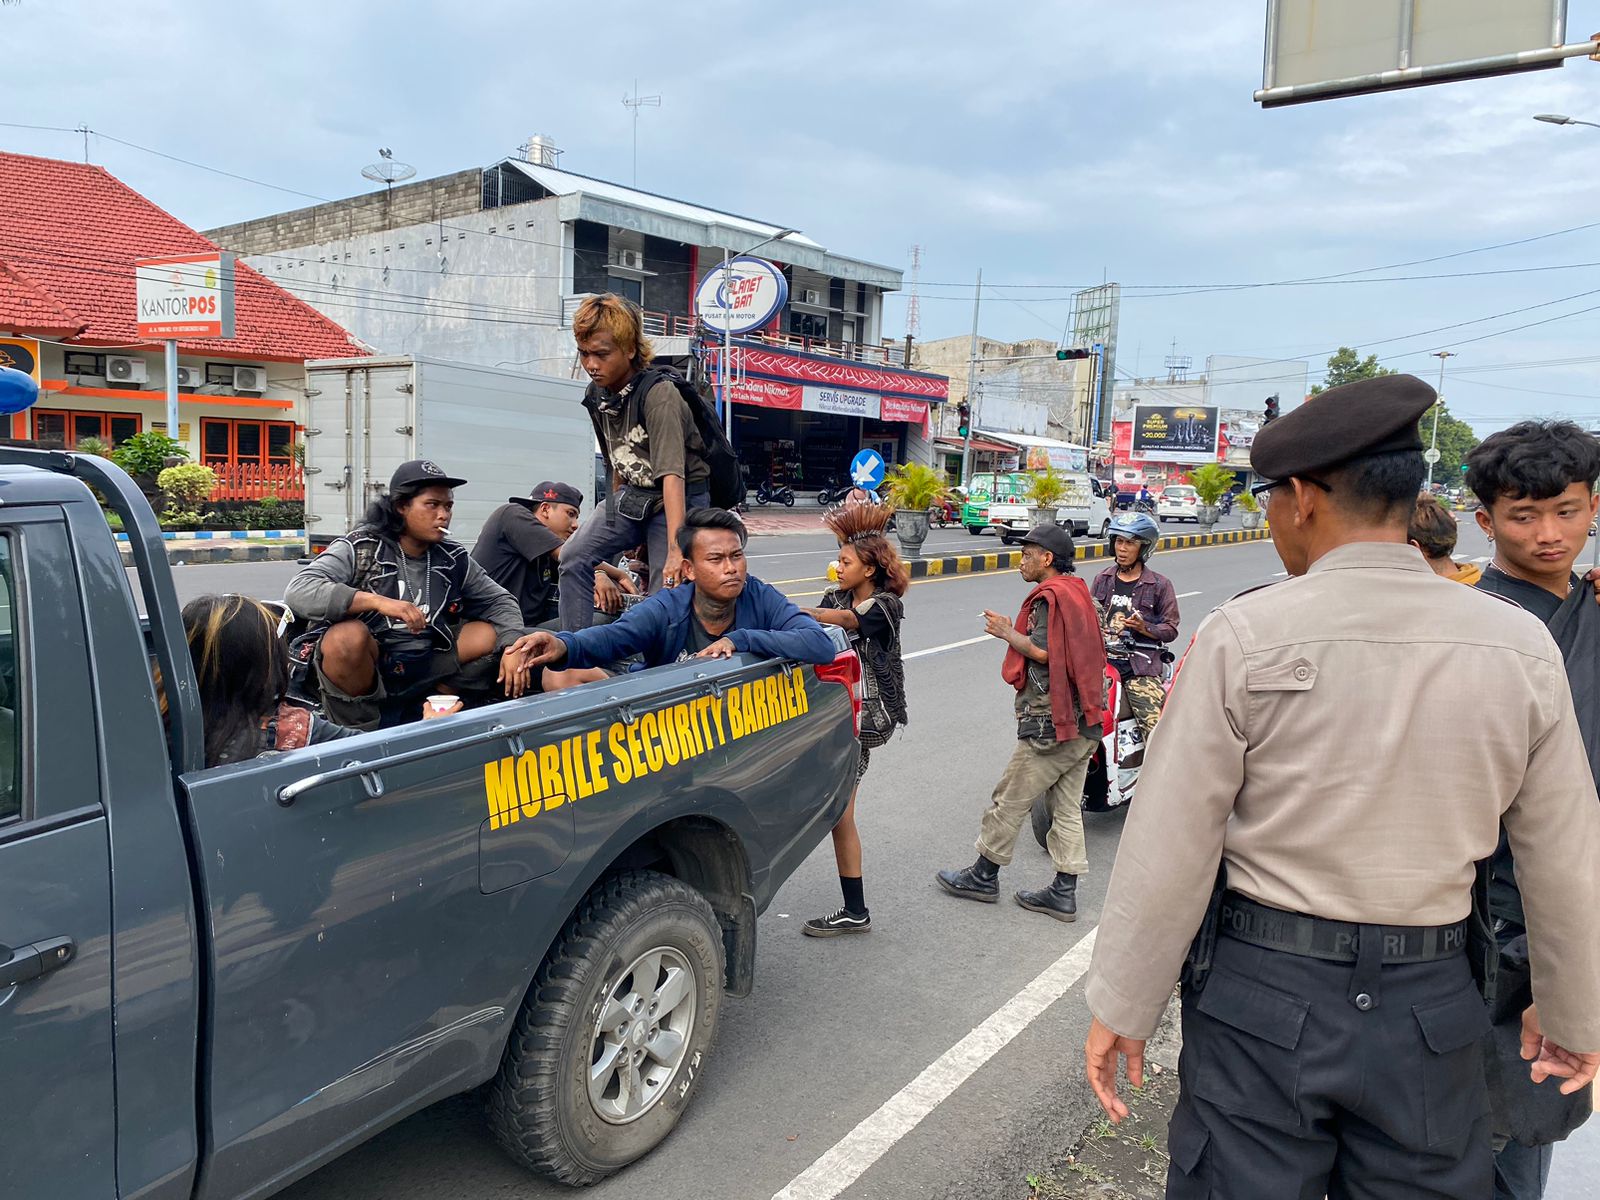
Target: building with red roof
<point>69,237</point>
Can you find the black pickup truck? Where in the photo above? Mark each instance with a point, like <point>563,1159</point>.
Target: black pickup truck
<point>213,981</point>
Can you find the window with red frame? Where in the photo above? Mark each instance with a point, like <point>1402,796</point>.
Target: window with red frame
<point>263,443</point>
<point>59,427</point>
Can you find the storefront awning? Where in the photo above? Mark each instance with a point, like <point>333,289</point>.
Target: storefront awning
<point>979,445</point>
<point>1037,453</point>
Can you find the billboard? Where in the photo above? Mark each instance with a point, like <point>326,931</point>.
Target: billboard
<point>1175,433</point>
<point>743,298</point>
<point>1095,313</point>
<point>1318,51</point>
<point>185,296</point>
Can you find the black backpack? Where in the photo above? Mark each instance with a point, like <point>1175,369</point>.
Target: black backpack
<point>726,482</point>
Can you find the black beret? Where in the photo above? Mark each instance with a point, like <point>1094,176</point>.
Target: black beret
<point>1370,416</point>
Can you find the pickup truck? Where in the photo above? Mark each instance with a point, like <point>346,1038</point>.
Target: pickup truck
<point>1083,507</point>
<point>214,981</point>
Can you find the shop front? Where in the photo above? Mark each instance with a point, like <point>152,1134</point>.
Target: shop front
<point>800,418</point>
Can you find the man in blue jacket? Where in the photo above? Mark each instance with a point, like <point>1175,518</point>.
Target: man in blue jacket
<point>722,611</point>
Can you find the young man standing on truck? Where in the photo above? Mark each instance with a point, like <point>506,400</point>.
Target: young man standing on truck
<point>657,459</point>
<point>1536,484</point>
<point>1057,663</point>
<point>396,609</point>
<point>722,611</point>
<point>1139,611</point>
<point>520,547</point>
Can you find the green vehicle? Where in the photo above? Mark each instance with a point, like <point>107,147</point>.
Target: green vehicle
<point>983,490</point>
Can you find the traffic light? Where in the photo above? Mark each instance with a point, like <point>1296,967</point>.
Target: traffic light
<point>963,412</point>
<point>1063,355</point>
<point>1271,414</point>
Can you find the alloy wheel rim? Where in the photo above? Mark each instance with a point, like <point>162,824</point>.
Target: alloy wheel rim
<point>641,1037</point>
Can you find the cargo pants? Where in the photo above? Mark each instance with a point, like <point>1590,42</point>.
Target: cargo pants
<point>1055,770</point>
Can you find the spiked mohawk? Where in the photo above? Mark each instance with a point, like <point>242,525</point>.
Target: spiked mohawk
<point>851,521</point>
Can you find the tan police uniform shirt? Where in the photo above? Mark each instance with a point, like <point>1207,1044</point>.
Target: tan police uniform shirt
<point>1349,742</point>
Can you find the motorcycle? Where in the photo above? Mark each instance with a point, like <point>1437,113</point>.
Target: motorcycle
<point>1114,767</point>
<point>834,492</point>
<point>768,492</point>
<point>943,513</point>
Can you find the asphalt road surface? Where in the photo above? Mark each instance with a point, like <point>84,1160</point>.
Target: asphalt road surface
<point>939,1055</point>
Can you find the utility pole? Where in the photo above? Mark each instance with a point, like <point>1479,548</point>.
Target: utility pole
<point>972,376</point>
<point>1438,403</point>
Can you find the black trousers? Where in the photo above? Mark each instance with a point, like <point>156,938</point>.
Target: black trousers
<point>1302,1079</point>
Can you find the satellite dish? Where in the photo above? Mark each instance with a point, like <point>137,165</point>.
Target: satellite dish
<point>388,172</point>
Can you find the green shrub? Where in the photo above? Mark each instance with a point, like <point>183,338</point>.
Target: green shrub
<point>147,453</point>
<point>1210,482</point>
<point>187,486</point>
<point>913,487</point>
<point>98,447</point>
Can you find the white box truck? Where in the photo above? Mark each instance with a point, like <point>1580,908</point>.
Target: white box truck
<point>502,431</point>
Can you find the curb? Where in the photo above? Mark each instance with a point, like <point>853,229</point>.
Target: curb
<point>223,535</point>
<point>198,555</point>
<point>1007,560</point>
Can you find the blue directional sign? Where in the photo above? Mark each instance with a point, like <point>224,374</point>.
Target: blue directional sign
<point>866,469</point>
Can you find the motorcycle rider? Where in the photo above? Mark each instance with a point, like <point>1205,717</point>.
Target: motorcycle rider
<point>1136,602</point>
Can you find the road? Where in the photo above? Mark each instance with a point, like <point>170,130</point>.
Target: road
<point>807,1081</point>
<point>834,1029</point>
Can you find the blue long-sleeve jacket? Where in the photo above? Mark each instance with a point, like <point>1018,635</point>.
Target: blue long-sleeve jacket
<point>765,622</point>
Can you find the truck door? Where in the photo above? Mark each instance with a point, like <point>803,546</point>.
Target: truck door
<point>58,1132</point>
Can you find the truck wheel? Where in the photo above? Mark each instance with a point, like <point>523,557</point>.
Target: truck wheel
<point>974,530</point>
<point>1105,529</point>
<point>1005,539</point>
<point>611,1039</point>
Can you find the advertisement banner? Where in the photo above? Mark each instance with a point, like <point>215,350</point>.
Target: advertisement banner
<point>1062,458</point>
<point>839,401</point>
<point>765,393</point>
<point>1121,441</point>
<point>744,297</point>
<point>185,296</point>
<point>1175,433</point>
<point>782,364</point>
<point>898,408</point>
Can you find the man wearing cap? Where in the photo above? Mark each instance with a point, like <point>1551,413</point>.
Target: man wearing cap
<point>395,609</point>
<point>520,547</point>
<point>1332,1032</point>
<point>1057,664</point>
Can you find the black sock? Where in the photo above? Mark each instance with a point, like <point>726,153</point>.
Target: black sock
<point>854,901</point>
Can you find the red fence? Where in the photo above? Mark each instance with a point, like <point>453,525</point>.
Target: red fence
<point>252,481</point>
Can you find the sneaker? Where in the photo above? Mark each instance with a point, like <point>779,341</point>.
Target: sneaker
<point>837,924</point>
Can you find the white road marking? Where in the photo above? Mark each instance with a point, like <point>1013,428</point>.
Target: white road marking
<point>949,646</point>
<point>1484,559</point>
<point>1186,595</point>
<point>869,1141</point>
<point>1279,574</point>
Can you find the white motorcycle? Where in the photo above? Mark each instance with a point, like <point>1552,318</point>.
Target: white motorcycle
<point>1114,768</point>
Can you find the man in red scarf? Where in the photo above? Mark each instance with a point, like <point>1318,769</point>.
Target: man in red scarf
<point>1057,663</point>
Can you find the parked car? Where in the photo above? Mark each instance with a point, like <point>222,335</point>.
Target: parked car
<point>1178,502</point>
<point>213,981</point>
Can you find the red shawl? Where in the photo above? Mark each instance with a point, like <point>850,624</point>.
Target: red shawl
<point>1077,652</point>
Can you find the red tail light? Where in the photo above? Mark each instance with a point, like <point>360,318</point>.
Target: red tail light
<point>846,669</point>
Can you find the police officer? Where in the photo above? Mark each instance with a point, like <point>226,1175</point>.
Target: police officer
<point>1332,1033</point>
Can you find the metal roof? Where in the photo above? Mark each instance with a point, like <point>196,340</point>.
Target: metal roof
<point>1027,439</point>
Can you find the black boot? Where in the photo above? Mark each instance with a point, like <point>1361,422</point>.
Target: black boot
<point>1059,900</point>
<point>980,881</point>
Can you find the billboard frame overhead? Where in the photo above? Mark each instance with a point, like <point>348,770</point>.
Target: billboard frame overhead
<point>1320,51</point>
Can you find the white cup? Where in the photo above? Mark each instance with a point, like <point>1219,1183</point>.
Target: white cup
<point>442,704</point>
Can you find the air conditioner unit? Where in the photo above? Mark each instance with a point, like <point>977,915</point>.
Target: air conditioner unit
<point>249,379</point>
<point>126,370</point>
<point>630,260</point>
<point>811,296</point>
<point>190,377</point>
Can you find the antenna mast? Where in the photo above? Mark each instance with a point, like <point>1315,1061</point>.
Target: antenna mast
<point>636,102</point>
<point>913,304</point>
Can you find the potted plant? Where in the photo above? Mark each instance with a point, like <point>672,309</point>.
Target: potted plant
<point>144,456</point>
<point>1251,509</point>
<point>913,488</point>
<point>1209,483</point>
<point>1044,493</point>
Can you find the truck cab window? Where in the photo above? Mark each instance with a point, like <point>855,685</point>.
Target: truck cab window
<point>10,694</point>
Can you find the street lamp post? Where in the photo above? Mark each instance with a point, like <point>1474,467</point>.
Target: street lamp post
<point>727,326</point>
<point>1562,119</point>
<point>1438,403</point>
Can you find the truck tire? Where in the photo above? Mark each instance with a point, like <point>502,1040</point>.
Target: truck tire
<point>591,1001</point>
<point>974,530</point>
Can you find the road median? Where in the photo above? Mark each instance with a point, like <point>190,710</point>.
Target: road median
<point>1007,560</point>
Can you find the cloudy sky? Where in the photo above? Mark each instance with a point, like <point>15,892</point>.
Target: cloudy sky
<point>1053,145</point>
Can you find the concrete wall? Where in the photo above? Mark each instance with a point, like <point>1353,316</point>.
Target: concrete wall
<point>440,199</point>
<point>485,288</point>
<point>1036,395</point>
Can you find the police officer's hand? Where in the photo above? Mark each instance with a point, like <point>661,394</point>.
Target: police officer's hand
<point>1552,1061</point>
<point>405,612</point>
<point>1101,1052</point>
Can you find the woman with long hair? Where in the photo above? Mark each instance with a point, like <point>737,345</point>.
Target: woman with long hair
<point>867,604</point>
<point>242,667</point>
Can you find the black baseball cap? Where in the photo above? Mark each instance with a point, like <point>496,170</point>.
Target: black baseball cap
<point>1054,539</point>
<point>421,473</point>
<point>550,492</point>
